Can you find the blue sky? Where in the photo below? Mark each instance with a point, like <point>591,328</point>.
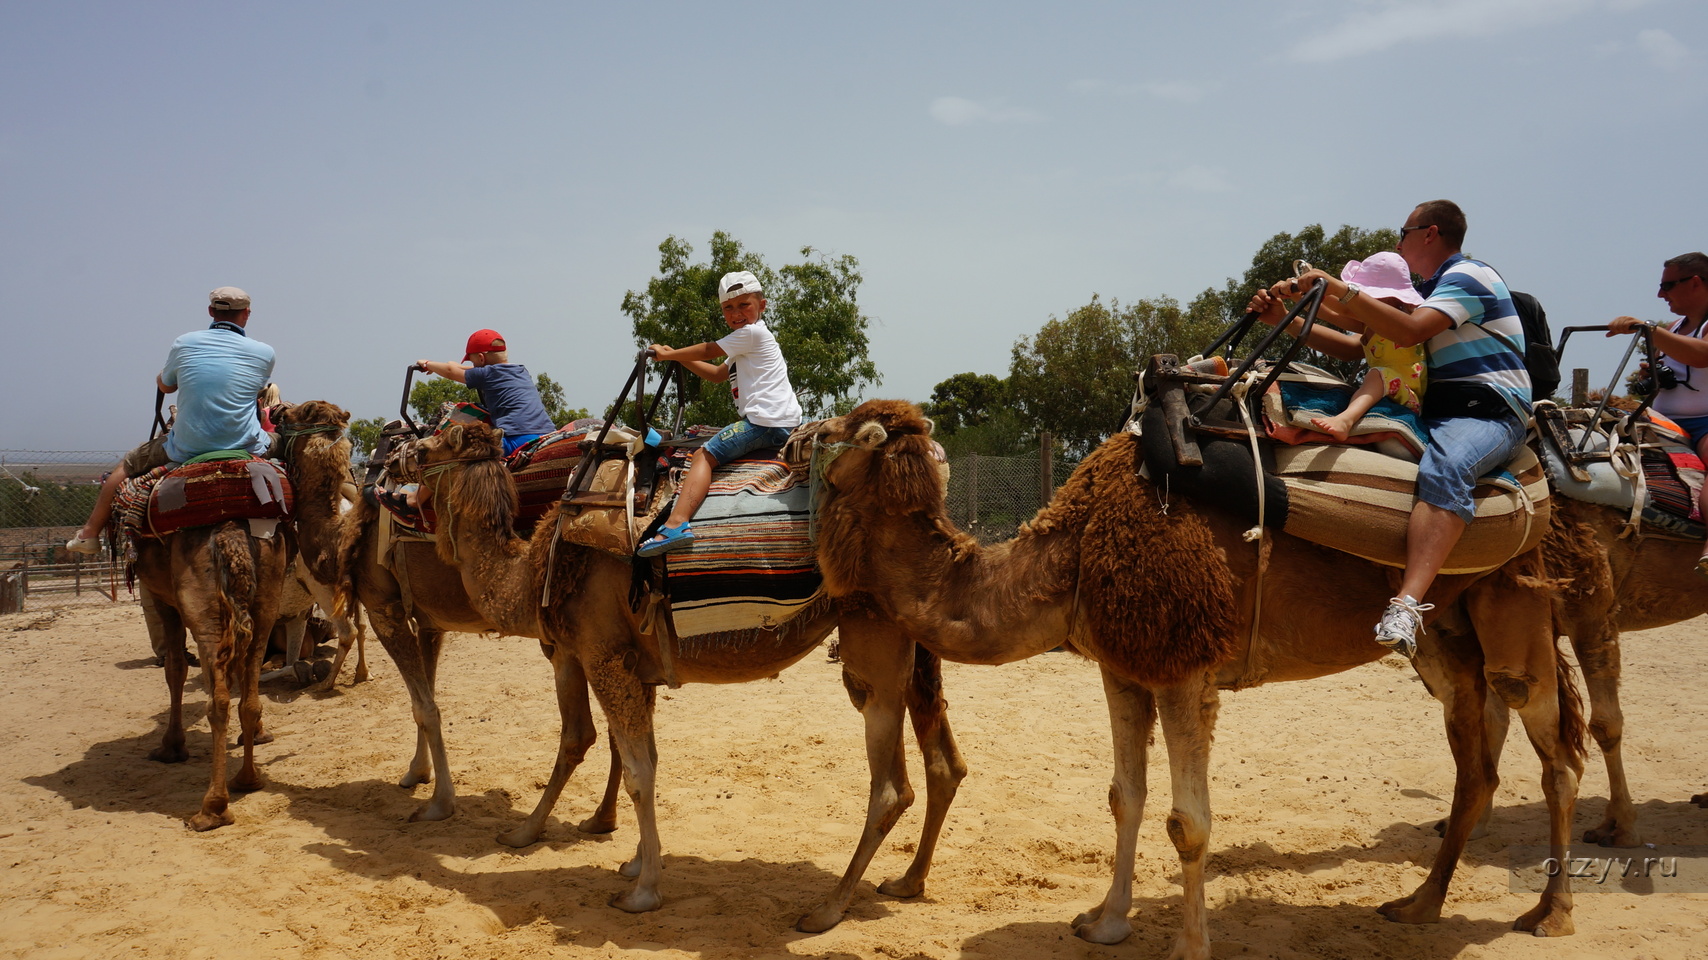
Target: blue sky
<point>384,178</point>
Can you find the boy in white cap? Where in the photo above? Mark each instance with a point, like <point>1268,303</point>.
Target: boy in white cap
<point>221,371</point>
<point>763,396</point>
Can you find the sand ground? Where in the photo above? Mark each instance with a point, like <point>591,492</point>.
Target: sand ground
<point>1323,794</point>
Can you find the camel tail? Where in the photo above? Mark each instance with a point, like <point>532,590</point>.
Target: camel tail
<point>1573,730</point>
<point>234,566</point>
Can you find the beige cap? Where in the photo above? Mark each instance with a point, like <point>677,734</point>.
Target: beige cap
<point>228,298</point>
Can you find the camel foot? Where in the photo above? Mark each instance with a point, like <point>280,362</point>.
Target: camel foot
<point>169,754</point>
<point>413,779</point>
<point>904,887</point>
<point>629,868</point>
<point>1412,909</point>
<point>361,676</point>
<point>598,824</point>
<point>1093,927</point>
<point>523,836</point>
<point>246,783</point>
<point>265,737</point>
<point>1609,833</point>
<point>205,821</point>
<point>433,811</point>
<point>637,901</point>
<point>1547,919</point>
<point>1700,799</point>
<point>825,916</point>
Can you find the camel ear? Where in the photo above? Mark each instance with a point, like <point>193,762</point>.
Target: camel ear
<point>870,434</point>
<point>930,426</point>
<point>454,437</point>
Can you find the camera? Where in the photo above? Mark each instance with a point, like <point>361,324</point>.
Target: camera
<point>1658,374</point>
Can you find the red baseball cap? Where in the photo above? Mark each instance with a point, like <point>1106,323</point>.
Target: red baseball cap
<point>484,341</point>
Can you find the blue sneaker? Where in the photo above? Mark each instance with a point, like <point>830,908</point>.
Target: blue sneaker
<point>666,540</point>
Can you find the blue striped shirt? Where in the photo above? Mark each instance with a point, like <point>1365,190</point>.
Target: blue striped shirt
<point>1485,344</point>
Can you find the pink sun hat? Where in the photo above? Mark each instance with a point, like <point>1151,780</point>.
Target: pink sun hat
<point>1383,275</point>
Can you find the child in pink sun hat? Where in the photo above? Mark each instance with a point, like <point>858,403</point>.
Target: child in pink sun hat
<point>1396,372</point>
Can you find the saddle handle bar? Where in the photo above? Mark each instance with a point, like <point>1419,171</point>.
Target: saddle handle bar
<point>1307,305</point>
<point>1645,336</point>
<point>403,405</point>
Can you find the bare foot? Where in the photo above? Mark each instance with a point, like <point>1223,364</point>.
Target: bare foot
<point>1333,426</point>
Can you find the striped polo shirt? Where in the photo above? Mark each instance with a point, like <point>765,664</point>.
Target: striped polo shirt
<point>1485,344</point>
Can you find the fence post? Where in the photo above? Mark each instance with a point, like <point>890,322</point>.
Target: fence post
<point>11,592</point>
<point>973,496</point>
<point>1580,387</point>
<point>1046,468</point>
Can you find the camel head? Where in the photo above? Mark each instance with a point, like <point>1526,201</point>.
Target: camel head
<point>882,451</point>
<point>463,467</point>
<point>309,413</point>
<point>315,427</point>
<point>461,441</point>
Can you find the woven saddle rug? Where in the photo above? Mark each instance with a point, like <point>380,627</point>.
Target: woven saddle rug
<point>1349,497</point>
<point>1304,392</point>
<point>1661,466</point>
<point>751,565</point>
<point>175,497</point>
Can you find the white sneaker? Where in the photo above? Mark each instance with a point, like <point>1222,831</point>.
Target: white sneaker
<point>88,545</point>
<point>1398,628</point>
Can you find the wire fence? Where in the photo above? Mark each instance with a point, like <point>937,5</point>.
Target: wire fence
<point>45,495</point>
<point>990,497</point>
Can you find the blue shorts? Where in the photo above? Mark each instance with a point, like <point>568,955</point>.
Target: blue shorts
<point>512,444</point>
<point>1460,450</point>
<point>742,437</point>
<point>1697,427</point>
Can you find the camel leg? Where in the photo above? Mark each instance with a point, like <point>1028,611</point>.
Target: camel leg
<point>1597,648</point>
<point>576,735</point>
<point>1132,714</point>
<point>1496,721</point>
<point>1451,667</point>
<point>628,707</point>
<point>944,767</point>
<point>349,631</point>
<point>415,650</point>
<point>218,669</point>
<point>170,642</point>
<point>604,819</point>
<point>1547,716</point>
<point>247,661</point>
<point>876,662</point>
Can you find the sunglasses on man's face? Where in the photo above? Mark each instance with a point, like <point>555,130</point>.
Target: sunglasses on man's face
<point>1667,285</point>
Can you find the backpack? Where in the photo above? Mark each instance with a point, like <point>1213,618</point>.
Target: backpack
<point>1539,357</point>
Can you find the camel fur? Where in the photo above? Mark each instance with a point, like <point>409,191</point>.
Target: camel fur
<point>317,457</point>
<point>1161,593</point>
<point>595,637</point>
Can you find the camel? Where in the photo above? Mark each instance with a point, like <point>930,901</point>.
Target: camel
<point>1162,592</point>
<point>594,638</point>
<point>222,583</point>
<point>317,456</point>
<point>1616,584</point>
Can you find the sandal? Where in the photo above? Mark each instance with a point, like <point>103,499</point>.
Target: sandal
<point>1702,565</point>
<point>397,502</point>
<point>666,540</point>
<point>85,545</point>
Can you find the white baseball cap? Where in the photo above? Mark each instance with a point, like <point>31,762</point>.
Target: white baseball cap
<point>736,284</point>
<point>228,298</point>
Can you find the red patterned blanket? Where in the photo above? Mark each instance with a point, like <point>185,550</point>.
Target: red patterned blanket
<point>173,498</point>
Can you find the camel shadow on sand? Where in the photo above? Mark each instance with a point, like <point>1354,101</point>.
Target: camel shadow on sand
<point>569,877</point>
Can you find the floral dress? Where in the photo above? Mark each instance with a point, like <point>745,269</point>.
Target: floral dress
<point>1401,370</point>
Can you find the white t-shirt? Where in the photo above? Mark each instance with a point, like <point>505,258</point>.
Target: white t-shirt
<point>1682,401</point>
<point>759,378</point>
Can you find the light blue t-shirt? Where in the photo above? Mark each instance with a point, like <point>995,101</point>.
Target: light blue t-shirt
<point>218,372</point>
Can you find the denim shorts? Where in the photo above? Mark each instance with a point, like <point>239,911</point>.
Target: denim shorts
<point>1697,427</point>
<point>742,437</point>
<point>1460,450</point>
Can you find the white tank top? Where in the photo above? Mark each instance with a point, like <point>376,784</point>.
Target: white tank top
<point>1682,401</point>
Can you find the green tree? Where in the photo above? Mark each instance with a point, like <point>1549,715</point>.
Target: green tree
<point>812,309</point>
<point>364,436</point>
<point>551,394</point>
<point>1073,377</point>
<point>966,400</point>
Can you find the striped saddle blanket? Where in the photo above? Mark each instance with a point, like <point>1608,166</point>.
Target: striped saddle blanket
<point>1304,392</point>
<point>1351,498</point>
<point>175,497</point>
<point>1661,466</point>
<point>751,564</point>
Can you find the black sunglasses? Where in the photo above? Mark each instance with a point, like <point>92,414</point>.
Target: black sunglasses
<point>1406,230</point>
<point>1669,284</point>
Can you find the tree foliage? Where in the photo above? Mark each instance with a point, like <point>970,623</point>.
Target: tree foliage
<point>812,309</point>
<point>364,436</point>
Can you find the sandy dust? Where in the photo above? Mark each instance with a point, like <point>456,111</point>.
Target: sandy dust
<point>1323,795</point>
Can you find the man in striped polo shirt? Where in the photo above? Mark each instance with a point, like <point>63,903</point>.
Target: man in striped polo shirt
<point>1477,404</point>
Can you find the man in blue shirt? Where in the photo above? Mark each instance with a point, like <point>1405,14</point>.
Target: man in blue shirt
<point>1477,404</point>
<point>218,373</point>
<point>507,391</point>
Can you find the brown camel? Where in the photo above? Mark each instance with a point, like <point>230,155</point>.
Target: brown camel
<point>594,638</point>
<point>1161,592</point>
<point>317,455</point>
<point>1615,584</point>
<point>222,584</point>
